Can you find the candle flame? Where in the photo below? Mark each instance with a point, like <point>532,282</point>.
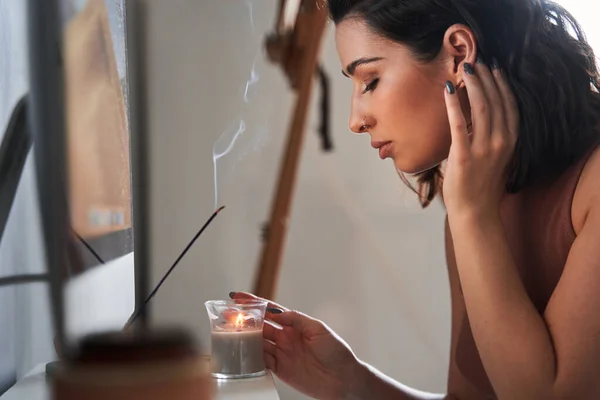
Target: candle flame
<point>239,322</point>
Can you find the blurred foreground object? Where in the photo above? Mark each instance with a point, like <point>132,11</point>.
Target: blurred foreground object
<point>134,366</point>
<point>138,364</point>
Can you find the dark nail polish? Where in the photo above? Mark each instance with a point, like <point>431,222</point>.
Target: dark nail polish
<point>469,69</point>
<point>480,59</point>
<point>495,64</point>
<point>273,310</point>
<point>450,87</point>
<point>232,294</point>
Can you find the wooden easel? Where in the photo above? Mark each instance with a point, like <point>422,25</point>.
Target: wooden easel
<point>297,51</point>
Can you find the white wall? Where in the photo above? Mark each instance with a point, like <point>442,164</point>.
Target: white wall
<point>361,253</point>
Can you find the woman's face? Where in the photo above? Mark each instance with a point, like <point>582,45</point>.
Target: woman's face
<point>397,100</point>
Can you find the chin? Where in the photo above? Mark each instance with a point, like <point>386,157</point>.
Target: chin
<point>415,167</point>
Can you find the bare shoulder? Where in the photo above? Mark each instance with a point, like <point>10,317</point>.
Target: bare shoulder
<point>587,193</point>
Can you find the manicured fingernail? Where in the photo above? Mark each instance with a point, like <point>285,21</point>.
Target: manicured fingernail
<point>450,87</point>
<point>232,294</point>
<point>495,64</point>
<point>480,59</point>
<point>273,310</point>
<point>469,69</point>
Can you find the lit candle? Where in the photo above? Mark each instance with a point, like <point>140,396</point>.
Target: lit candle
<point>237,339</point>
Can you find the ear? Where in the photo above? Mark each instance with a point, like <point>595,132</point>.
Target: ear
<point>459,46</point>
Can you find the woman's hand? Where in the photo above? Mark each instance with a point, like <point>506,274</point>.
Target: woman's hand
<point>306,354</point>
<point>476,172</point>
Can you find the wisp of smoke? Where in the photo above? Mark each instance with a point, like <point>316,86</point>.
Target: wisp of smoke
<point>223,139</point>
<point>226,141</point>
<point>253,79</point>
<point>249,4</point>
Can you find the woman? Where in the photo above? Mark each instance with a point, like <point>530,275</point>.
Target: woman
<point>502,93</point>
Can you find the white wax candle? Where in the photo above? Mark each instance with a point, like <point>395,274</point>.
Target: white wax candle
<point>237,352</point>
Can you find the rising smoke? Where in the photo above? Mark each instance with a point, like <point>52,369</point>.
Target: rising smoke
<point>227,140</point>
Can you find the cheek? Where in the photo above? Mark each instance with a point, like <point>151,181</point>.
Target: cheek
<point>392,102</point>
<point>418,124</point>
<point>412,107</point>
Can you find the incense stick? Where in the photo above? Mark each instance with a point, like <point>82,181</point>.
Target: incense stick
<point>190,244</point>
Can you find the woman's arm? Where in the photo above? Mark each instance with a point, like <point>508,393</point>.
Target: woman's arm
<point>369,383</point>
<point>307,355</point>
<point>527,355</point>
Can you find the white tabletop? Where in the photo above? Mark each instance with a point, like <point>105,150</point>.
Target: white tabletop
<point>34,387</point>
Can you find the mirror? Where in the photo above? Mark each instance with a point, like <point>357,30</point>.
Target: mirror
<point>99,172</point>
<point>98,290</point>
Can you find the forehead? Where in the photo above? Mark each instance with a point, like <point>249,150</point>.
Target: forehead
<point>354,39</point>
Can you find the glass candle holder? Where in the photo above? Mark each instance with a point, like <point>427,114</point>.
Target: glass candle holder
<point>236,337</point>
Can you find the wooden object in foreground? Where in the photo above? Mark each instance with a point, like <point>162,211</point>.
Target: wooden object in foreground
<point>124,366</point>
<point>297,51</point>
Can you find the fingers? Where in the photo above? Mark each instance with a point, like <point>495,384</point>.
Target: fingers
<point>511,110</point>
<point>494,101</point>
<point>299,321</point>
<point>270,362</point>
<point>458,125</point>
<point>250,296</point>
<point>494,113</point>
<point>271,332</point>
<point>290,318</point>
<point>480,108</point>
<point>270,355</point>
<point>270,347</point>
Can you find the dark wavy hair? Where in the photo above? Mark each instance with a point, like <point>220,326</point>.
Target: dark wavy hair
<point>552,72</point>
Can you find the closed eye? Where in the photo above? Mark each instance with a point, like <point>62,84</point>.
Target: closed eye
<point>371,86</point>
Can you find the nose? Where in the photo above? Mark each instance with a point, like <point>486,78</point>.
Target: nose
<point>358,122</point>
<point>357,125</point>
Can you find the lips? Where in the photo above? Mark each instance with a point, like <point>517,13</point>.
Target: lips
<point>384,148</point>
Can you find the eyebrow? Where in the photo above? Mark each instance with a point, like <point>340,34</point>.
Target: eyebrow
<point>360,61</point>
